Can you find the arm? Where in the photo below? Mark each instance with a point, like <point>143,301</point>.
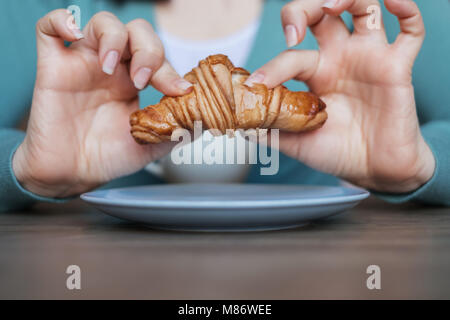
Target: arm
<point>372,138</point>
<point>78,132</point>
<point>15,197</point>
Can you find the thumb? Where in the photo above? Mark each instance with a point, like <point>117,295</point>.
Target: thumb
<point>55,28</point>
<point>290,64</point>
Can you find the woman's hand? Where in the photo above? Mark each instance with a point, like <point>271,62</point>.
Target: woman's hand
<point>372,137</point>
<point>78,132</point>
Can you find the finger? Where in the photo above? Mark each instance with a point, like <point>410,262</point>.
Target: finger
<point>298,15</point>
<point>367,18</point>
<point>148,62</point>
<point>300,64</point>
<point>167,80</point>
<point>146,50</point>
<point>412,28</point>
<point>55,28</point>
<point>109,36</point>
<point>330,30</point>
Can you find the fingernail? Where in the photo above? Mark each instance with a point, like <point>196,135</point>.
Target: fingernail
<point>78,34</point>
<point>142,77</point>
<point>110,63</point>
<point>183,84</point>
<point>329,4</point>
<point>291,35</point>
<point>254,78</point>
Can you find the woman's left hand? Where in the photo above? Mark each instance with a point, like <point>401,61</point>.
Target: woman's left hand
<point>372,136</point>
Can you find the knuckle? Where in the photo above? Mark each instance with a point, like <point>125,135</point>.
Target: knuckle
<point>58,12</point>
<point>140,23</point>
<point>103,15</point>
<point>157,56</point>
<point>40,22</point>
<point>154,56</point>
<point>415,7</point>
<point>52,15</point>
<point>112,28</point>
<point>417,28</point>
<point>117,33</point>
<point>418,20</point>
<point>287,11</point>
<point>420,33</point>
<point>51,18</point>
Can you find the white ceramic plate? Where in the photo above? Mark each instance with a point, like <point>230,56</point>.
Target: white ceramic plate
<point>225,207</point>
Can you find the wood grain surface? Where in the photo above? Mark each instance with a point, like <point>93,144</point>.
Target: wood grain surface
<point>325,260</point>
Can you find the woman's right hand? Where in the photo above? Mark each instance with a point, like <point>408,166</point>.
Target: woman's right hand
<point>78,132</point>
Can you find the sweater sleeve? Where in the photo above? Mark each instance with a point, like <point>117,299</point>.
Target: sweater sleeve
<point>437,190</point>
<point>12,195</point>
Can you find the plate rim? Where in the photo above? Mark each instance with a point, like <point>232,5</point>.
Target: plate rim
<point>220,204</point>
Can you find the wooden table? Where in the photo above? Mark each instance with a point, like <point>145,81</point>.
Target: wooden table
<point>410,243</point>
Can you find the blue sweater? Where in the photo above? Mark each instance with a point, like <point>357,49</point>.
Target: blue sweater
<point>18,66</point>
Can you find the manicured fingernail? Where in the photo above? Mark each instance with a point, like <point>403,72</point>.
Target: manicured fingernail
<point>78,34</point>
<point>110,63</point>
<point>254,78</point>
<point>291,35</point>
<point>183,84</point>
<point>329,4</point>
<point>142,77</point>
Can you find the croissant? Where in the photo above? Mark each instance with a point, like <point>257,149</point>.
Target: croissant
<point>222,101</point>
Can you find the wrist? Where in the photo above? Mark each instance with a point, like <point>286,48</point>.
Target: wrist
<point>23,174</point>
<point>34,180</point>
<point>427,165</point>
<point>412,177</point>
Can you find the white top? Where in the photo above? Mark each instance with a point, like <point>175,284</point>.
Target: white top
<point>183,56</point>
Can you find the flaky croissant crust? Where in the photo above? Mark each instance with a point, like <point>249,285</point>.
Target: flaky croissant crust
<point>222,101</point>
